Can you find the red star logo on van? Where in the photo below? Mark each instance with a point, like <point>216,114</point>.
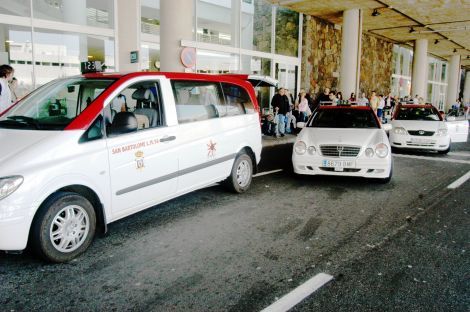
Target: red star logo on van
<point>211,149</point>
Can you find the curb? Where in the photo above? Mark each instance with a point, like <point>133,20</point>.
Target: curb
<point>273,141</point>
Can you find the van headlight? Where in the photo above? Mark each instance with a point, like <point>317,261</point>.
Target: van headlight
<point>400,130</point>
<point>381,150</point>
<point>300,147</point>
<point>441,132</point>
<point>9,184</point>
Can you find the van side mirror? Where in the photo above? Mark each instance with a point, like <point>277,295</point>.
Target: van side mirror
<point>70,89</point>
<point>123,122</point>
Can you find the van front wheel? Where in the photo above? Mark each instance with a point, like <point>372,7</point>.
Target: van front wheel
<point>64,227</point>
<point>242,173</point>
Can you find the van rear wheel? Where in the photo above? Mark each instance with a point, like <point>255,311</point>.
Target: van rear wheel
<point>64,227</point>
<point>241,175</point>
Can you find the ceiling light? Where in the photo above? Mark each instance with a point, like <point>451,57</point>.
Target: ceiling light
<point>375,12</point>
<point>436,41</point>
<point>412,30</point>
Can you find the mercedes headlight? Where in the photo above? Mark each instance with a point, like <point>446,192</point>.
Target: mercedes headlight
<point>312,150</point>
<point>400,130</point>
<point>300,147</point>
<point>369,152</point>
<point>381,150</point>
<point>9,184</point>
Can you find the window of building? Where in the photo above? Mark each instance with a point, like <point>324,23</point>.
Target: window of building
<point>256,25</point>
<point>218,22</point>
<point>150,56</point>
<point>16,49</point>
<point>150,17</point>
<point>258,66</point>
<point>96,13</point>
<point>217,62</point>
<point>16,7</point>
<point>287,32</point>
<point>59,54</point>
<point>444,72</point>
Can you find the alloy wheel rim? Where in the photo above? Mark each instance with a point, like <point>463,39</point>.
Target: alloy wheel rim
<point>69,228</point>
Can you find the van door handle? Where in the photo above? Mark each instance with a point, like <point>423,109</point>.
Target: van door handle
<point>168,138</point>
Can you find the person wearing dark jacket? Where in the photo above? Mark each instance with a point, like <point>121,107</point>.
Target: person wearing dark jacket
<point>280,104</point>
<point>324,97</point>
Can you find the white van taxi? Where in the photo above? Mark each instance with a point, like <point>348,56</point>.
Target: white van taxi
<point>81,152</point>
<point>343,140</point>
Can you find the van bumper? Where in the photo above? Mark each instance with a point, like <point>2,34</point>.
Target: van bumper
<point>14,232</point>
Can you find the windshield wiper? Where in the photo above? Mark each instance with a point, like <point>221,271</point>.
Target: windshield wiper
<point>22,120</point>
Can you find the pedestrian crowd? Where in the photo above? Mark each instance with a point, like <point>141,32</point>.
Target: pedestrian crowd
<point>288,111</point>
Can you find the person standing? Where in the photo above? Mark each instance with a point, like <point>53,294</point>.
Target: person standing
<point>380,107</point>
<point>6,74</point>
<point>13,89</point>
<point>304,109</point>
<point>374,102</point>
<point>325,96</point>
<point>339,98</point>
<point>352,98</point>
<point>363,101</point>
<point>280,104</point>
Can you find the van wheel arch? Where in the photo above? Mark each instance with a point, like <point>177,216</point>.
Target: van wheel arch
<point>91,196</point>
<point>247,150</point>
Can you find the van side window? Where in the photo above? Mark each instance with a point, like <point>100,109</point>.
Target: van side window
<point>141,101</point>
<point>237,100</point>
<point>196,100</point>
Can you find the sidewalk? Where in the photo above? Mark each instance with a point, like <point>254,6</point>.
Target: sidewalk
<point>273,141</point>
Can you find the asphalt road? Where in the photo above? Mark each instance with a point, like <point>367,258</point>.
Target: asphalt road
<point>398,246</point>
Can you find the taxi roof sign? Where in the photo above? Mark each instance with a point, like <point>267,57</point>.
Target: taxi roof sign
<point>91,67</point>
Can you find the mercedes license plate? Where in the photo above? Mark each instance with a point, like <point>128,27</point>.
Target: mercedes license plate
<point>339,165</point>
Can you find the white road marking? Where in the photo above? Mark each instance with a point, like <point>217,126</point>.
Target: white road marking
<point>299,294</point>
<point>459,181</point>
<point>457,161</point>
<point>266,172</point>
<point>465,154</point>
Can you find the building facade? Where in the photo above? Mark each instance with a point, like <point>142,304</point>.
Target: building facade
<point>48,39</point>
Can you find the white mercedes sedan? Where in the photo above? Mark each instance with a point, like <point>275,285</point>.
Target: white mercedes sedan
<point>343,141</point>
<point>419,127</point>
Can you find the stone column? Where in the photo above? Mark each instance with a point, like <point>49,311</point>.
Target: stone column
<point>466,90</point>
<point>351,37</point>
<point>453,81</point>
<point>128,34</point>
<point>419,79</point>
<point>176,24</point>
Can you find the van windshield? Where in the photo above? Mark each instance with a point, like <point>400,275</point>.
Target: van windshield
<point>54,105</point>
